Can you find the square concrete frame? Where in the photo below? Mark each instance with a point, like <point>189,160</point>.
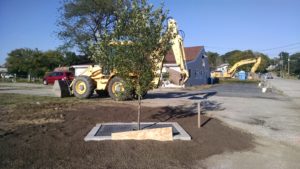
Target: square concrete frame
<point>183,135</point>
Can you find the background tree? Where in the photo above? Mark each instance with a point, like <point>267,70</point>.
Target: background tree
<point>145,40</point>
<point>87,21</point>
<point>18,61</point>
<point>70,58</point>
<point>283,63</point>
<point>230,57</point>
<point>213,59</point>
<point>33,62</point>
<point>53,59</point>
<point>295,64</point>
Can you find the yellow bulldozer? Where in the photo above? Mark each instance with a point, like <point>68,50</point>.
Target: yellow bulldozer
<point>93,79</point>
<point>230,73</point>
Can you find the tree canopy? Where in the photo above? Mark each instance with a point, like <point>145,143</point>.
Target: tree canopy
<point>87,21</point>
<point>25,61</point>
<point>295,64</point>
<point>140,40</point>
<point>213,59</point>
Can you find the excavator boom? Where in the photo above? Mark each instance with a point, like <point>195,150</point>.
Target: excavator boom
<point>233,69</point>
<point>256,65</point>
<point>230,73</point>
<point>178,50</point>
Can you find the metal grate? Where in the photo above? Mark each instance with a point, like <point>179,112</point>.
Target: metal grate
<point>106,130</point>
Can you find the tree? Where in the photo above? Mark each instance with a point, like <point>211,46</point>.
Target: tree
<point>229,57</point>
<point>213,59</point>
<point>284,56</point>
<point>142,41</point>
<point>295,64</point>
<point>31,62</point>
<point>87,21</point>
<point>52,59</point>
<point>18,61</point>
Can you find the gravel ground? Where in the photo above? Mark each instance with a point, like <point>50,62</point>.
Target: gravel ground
<point>27,88</point>
<point>274,119</point>
<point>289,87</point>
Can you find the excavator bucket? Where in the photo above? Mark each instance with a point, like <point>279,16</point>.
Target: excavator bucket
<point>61,88</point>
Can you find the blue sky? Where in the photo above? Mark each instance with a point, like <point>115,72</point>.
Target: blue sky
<point>267,26</point>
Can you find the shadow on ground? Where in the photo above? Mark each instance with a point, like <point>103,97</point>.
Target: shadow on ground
<point>181,94</point>
<point>173,113</point>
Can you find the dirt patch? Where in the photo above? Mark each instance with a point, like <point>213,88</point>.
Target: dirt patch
<point>61,144</point>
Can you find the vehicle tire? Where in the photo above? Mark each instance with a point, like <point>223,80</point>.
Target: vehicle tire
<point>45,82</point>
<point>83,87</point>
<point>116,89</point>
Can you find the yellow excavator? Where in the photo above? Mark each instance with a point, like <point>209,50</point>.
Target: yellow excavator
<point>93,78</point>
<point>230,73</point>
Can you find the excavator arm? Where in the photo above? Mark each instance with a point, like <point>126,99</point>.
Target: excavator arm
<point>233,69</point>
<point>256,65</point>
<point>178,51</point>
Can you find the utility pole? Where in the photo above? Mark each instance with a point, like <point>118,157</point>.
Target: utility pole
<point>281,64</point>
<point>288,65</point>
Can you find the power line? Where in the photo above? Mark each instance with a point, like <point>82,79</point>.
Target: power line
<point>280,47</point>
<point>294,45</point>
<point>218,47</point>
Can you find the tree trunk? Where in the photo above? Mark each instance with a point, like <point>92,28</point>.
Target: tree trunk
<point>139,112</point>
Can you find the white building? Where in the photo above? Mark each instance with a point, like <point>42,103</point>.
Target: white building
<point>3,71</point>
<point>223,68</point>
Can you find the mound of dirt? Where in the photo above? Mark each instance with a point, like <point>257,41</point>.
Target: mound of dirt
<point>61,145</point>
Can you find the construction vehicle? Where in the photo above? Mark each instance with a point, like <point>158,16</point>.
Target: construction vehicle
<point>230,73</point>
<point>93,78</point>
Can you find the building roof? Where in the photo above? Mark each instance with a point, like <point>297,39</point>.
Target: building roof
<point>190,53</point>
<point>81,66</point>
<point>223,65</point>
<point>3,70</point>
<point>61,69</point>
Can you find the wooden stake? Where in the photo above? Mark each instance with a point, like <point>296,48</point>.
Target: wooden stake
<point>139,113</point>
<point>199,117</point>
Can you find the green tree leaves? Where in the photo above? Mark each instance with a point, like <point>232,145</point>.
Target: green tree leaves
<point>235,56</point>
<point>87,21</point>
<point>139,41</point>
<point>25,61</point>
<point>213,59</point>
<point>137,44</point>
<point>295,64</point>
